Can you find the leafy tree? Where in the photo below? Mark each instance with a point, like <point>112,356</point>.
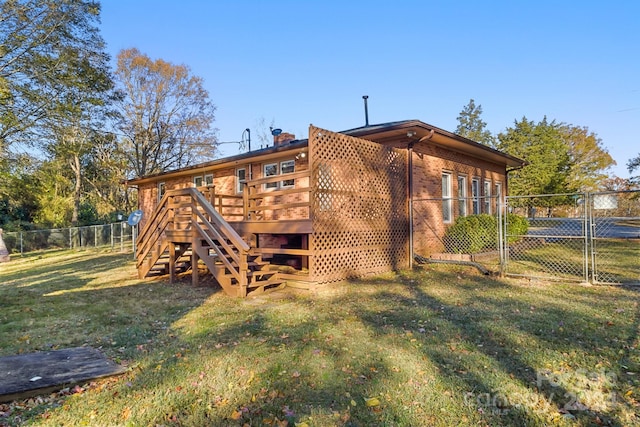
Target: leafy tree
<point>55,82</point>
<point>616,183</point>
<point>632,166</point>
<point>19,188</point>
<point>81,110</point>
<point>104,175</point>
<point>166,115</point>
<point>471,125</point>
<point>561,158</point>
<point>41,42</point>
<point>540,145</point>
<point>588,159</point>
<point>55,198</point>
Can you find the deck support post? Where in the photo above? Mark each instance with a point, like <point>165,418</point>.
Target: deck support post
<point>172,262</point>
<point>195,274</point>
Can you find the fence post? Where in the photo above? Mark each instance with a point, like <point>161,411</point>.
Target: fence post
<point>95,237</point>
<point>121,237</point>
<point>21,245</point>
<point>502,224</point>
<point>587,213</point>
<point>111,236</point>
<point>134,232</point>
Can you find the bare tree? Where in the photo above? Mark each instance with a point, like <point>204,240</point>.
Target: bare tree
<point>166,115</point>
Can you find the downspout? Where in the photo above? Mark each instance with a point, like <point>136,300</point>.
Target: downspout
<point>410,186</point>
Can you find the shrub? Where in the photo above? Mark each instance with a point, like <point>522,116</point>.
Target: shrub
<point>516,226</point>
<point>475,233</point>
<point>470,234</point>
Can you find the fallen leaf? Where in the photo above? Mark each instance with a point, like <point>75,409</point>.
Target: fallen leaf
<point>236,415</point>
<point>251,377</point>
<point>126,413</point>
<point>372,401</point>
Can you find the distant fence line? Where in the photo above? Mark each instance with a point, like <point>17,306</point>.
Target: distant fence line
<point>117,236</point>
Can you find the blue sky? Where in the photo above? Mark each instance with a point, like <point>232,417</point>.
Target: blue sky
<point>299,62</point>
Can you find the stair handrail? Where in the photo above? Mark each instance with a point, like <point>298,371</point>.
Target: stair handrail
<point>156,212</point>
<point>214,222</point>
<point>155,226</point>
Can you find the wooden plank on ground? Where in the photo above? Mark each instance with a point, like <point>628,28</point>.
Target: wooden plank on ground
<point>27,375</point>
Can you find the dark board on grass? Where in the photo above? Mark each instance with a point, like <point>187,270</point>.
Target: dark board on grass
<point>27,375</point>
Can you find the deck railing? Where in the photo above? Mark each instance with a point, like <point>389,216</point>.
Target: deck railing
<point>258,200</point>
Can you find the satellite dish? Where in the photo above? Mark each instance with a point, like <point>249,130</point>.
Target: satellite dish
<point>134,218</point>
<point>276,132</point>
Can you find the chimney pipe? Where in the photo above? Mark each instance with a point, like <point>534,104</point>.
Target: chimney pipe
<point>366,110</point>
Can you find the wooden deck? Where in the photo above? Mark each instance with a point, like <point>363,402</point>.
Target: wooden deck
<point>31,374</point>
<point>291,226</point>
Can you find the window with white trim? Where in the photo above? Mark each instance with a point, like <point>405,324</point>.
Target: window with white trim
<point>498,194</point>
<point>241,178</point>
<point>270,169</point>
<point>197,181</point>
<point>447,201</point>
<point>487,196</point>
<point>462,195</point>
<point>208,179</point>
<point>288,166</point>
<point>475,194</point>
<point>162,188</point>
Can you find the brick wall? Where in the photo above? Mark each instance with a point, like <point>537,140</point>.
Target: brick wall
<point>429,162</point>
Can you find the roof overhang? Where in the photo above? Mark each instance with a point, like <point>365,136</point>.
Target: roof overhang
<point>261,155</point>
<point>409,131</point>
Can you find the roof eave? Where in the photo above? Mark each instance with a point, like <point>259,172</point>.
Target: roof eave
<point>395,130</point>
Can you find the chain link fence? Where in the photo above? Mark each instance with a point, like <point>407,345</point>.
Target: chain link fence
<point>587,237</point>
<point>554,245</point>
<point>614,232</point>
<point>458,230</point>
<point>582,237</point>
<point>118,236</point>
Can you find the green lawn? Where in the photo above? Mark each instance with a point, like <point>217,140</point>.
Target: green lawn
<point>617,260</point>
<point>438,346</point>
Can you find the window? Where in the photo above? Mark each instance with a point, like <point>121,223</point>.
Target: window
<point>197,181</point>
<point>162,188</point>
<point>287,167</point>
<point>271,169</point>
<point>487,197</point>
<point>475,193</point>
<point>241,178</point>
<point>208,179</point>
<point>498,194</point>
<point>462,195</point>
<point>447,202</point>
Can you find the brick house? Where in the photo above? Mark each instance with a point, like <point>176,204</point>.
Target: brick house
<point>319,210</point>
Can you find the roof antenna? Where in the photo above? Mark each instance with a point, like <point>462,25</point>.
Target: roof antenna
<point>366,110</point>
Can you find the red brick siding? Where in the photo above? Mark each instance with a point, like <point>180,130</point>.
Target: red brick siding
<point>429,162</point>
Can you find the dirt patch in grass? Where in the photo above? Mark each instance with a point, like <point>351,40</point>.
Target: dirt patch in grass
<point>436,346</point>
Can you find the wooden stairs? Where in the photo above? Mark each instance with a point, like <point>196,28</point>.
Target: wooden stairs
<point>185,232</point>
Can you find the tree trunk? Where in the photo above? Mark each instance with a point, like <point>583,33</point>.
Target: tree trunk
<point>75,166</point>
